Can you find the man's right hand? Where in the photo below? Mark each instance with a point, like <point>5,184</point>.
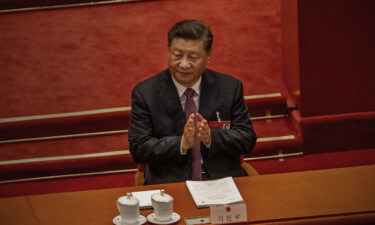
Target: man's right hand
<point>187,140</point>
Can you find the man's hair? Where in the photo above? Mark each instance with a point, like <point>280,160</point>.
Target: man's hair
<point>191,30</point>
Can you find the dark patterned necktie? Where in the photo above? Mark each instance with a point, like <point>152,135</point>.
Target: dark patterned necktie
<point>190,107</point>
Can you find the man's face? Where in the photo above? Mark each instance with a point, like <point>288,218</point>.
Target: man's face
<point>187,60</point>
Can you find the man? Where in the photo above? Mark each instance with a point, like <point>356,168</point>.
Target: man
<point>172,123</point>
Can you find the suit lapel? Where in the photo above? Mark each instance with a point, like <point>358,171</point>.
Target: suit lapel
<point>170,99</point>
<point>209,95</point>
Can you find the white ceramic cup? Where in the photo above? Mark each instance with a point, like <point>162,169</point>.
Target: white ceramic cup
<point>128,207</point>
<point>163,206</point>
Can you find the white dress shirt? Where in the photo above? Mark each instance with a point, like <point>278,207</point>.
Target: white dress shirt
<point>181,90</point>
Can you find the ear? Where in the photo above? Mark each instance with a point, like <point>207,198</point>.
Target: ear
<point>209,56</point>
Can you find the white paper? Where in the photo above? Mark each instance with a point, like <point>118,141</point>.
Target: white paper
<point>144,198</point>
<point>214,192</point>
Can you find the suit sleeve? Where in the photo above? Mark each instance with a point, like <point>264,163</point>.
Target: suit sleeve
<point>144,147</point>
<point>241,138</point>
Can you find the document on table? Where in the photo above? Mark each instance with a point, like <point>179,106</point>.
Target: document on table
<point>214,192</point>
<point>144,198</point>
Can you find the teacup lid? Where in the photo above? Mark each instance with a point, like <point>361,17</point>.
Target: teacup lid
<point>128,199</point>
<point>162,197</point>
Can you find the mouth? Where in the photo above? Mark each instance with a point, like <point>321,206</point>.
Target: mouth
<point>184,73</point>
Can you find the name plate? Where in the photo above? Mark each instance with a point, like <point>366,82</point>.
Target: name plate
<point>231,213</point>
<point>197,220</point>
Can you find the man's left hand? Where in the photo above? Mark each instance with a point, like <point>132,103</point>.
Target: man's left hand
<point>204,131</point>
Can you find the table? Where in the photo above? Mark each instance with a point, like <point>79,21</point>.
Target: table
<point>332,196</point>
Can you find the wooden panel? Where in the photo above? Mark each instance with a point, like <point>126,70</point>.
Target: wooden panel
<point>16,211</point>
<point>337,52</point>
<point>86,207</point>
<point>328,53</point>
<point>312,194</point>
<point>308,197</point>
<point>290,51</point>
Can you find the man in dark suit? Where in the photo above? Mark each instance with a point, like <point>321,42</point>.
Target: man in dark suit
<point>218,130</point>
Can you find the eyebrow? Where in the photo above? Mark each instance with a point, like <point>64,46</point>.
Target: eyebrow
<point>190,52</point>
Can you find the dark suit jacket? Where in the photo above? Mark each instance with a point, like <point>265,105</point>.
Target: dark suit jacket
<point>157,122</point>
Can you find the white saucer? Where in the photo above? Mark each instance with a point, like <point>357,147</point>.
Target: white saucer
<point>174,219</point>
<point>118,220</point>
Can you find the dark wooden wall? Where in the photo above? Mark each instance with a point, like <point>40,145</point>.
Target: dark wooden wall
<point>329,55</point>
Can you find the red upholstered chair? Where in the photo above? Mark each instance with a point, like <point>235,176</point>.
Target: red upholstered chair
<point>249,170</point>
<point>139,177</point>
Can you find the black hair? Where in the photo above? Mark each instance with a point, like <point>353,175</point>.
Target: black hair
<point>191,30</point>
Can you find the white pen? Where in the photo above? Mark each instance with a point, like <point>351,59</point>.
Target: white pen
<point>218,116</point>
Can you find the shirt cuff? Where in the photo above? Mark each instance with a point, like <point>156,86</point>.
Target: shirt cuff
<point>181,150</point>
<point>208,145</point>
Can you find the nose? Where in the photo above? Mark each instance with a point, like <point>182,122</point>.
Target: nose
<point>184,64</point>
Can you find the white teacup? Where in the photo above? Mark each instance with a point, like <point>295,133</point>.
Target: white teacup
<point>163,206</point>
<point>128,206</point>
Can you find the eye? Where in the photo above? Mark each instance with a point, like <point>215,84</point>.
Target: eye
<point>177,55</point>
<point>193,57</point>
